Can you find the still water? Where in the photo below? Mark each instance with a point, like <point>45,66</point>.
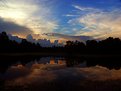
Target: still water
<point>59,73</point>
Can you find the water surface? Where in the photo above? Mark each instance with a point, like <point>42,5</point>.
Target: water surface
<point>59,73</point>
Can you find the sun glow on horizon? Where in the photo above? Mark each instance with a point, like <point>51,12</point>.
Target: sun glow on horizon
<point>23,17</point>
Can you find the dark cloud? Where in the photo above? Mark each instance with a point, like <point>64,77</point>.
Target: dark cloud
<point>68,37</point>
<point>13,28</point>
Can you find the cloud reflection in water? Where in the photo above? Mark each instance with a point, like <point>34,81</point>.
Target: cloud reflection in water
<point>54,73</point>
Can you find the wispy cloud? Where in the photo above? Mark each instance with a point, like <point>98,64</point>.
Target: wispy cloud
<point>30,14</point>
<point>98,23</point>
<point>85,8</point>
<point>70,15</point>
<point>103,24</point>
<point>99,18</point>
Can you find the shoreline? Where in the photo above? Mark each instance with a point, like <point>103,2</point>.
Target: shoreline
<point>60,54</point>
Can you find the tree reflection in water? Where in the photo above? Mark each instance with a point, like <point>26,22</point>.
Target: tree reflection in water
<point>61,73</point>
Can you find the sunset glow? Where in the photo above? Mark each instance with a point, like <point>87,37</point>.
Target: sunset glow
<point>98,18</point>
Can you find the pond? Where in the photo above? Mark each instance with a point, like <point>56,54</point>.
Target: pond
<point>48,73</point>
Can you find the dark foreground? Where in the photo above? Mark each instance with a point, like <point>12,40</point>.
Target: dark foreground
<point>60,73</point>
<point>66,85</point>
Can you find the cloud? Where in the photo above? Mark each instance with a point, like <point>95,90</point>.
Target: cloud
<point>70,15</point>
<point>68,37</point>
<point>85,8</point>
<point>103,24</point>
<point>12,27</point>
<point>30,13</point>
<point>38,74</point>
<point>97,22</point>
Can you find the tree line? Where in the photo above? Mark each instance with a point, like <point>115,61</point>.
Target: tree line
<point>110,45</point>
<point>7,45</point>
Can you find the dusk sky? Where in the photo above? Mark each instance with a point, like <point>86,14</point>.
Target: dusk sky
<point>95,18</point>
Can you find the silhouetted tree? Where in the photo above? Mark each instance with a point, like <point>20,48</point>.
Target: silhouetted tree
<point>110,45</point>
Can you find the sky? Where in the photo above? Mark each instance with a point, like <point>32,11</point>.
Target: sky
<point>95,18</point>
